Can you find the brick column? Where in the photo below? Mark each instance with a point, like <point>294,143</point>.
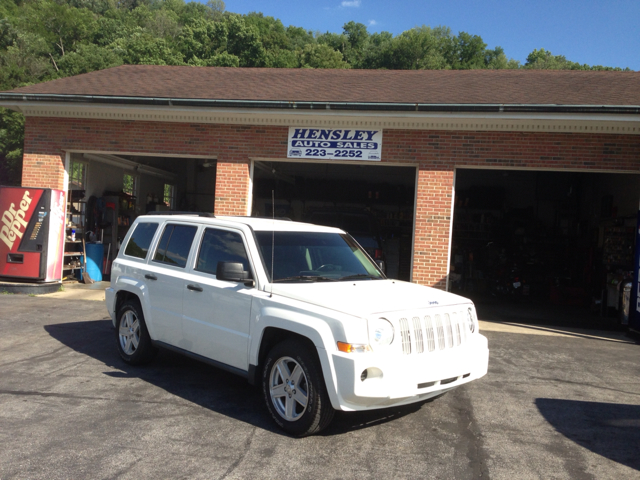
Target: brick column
<point>43,161</point>
<point>43,171</point>
<point>433,223</point>
<point>232,189</point>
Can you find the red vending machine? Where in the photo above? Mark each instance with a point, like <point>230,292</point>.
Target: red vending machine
<point>31,234</point>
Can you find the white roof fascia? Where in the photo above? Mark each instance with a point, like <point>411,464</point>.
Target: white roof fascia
<point>410,120</point>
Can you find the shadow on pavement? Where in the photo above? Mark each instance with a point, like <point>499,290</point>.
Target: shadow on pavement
<point>608,429</point>
<point>196,382</point>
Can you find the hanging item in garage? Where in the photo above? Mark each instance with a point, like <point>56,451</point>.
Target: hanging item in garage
<point>334,144</point>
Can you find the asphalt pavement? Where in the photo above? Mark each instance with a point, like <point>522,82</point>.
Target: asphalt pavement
<point>558,402</point>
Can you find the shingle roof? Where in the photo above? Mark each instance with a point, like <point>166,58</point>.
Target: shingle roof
<point>511,87</point>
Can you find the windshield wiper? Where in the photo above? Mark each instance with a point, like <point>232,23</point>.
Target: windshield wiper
<point>361,275</point>
<point>310,278</point>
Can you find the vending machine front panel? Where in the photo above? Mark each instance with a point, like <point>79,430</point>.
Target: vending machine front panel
<point>31,233</point>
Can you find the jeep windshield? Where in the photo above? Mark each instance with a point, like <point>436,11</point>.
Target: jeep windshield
<point>301,257</point>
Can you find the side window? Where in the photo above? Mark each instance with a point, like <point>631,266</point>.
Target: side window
<point>140,240</point>
<point>220,246</point>
<point>175,244</point>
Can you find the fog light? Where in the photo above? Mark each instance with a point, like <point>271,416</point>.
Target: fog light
<point>371,374</point>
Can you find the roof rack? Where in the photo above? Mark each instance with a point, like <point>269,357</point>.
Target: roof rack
<point>193,214</point>
<point>266,217</point>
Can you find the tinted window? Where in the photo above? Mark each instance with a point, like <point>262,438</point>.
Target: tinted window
<point>309,254</point>
<point>139,242</point>
<point>175,244</point>
<point>221,246</point>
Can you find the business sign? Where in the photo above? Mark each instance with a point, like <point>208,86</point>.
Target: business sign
<point>334,143</point>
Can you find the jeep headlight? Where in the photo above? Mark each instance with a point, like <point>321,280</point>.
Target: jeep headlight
<point>380,332</point>
<point>471,319</point>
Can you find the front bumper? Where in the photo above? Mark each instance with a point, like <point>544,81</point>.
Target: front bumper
<point>396,379</point>
<point>110,301</point>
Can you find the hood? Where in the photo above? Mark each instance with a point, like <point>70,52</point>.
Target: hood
<point>364,298</point>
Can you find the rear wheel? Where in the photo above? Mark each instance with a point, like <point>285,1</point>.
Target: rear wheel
<point>132,336</point>
<point>294,389</point>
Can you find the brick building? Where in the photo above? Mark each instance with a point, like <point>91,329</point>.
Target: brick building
<point>544,164</point>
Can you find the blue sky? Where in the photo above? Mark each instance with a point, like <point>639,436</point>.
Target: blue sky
<point>605,32</point>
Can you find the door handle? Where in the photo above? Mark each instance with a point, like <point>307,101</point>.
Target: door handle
<point>194,288</point>
<point>150,277</point>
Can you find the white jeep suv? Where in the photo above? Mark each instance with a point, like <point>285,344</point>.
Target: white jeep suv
<point>300,308</point>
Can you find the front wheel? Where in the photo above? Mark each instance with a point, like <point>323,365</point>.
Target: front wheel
<point>294,389</point>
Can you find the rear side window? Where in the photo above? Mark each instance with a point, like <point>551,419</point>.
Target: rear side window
<point>140,239</point>
<point>221,246</point>
<point>175,244</point>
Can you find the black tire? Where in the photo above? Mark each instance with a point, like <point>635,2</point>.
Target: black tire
<point>134,345</point>
<point>318,412</point>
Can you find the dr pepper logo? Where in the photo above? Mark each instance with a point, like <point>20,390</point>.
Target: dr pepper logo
<point>13,221</point>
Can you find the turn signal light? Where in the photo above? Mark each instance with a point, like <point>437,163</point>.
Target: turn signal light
<point>353,348</point>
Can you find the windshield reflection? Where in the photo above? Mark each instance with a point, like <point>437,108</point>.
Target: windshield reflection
<point>301,257</point>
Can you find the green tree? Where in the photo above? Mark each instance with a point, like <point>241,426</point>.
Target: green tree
<point>215,9</point>
<point>25,61</point>
<point>163,23</point>
<point>321,56</point>
<point>271,32</point>
<point>202,39</point>
<point>279,58</point>
<point>496,59</point>
<point>59,24</point>
<point>11,141</point>
<point>243,41</point>
<point>417,49</point>
<point>299,37</point>
<point>357,39</point>
<point>144,49</point>
<point>545,60</point>
<point>378,54</point>
<point>467,52</point>
<point>87,58</point>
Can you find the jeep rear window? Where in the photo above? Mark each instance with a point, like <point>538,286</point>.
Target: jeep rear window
<point>175,244</point>
<point>140,239</point>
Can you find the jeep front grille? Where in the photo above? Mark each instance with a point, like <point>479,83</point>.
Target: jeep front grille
<point>436,331</point>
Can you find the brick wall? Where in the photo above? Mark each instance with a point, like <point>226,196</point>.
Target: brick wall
<point>233,145</point>
<point>437,153</point>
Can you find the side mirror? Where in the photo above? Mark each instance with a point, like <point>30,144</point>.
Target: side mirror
<point>234,272</point>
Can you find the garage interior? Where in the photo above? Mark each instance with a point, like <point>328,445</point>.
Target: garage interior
<point>380,196</point>
<point>560,239</point>
<point>111,190</point>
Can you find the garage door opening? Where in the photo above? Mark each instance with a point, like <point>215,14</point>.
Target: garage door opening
<point>375,204</point>
<point>553,239</point>
<point>108,191</point>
